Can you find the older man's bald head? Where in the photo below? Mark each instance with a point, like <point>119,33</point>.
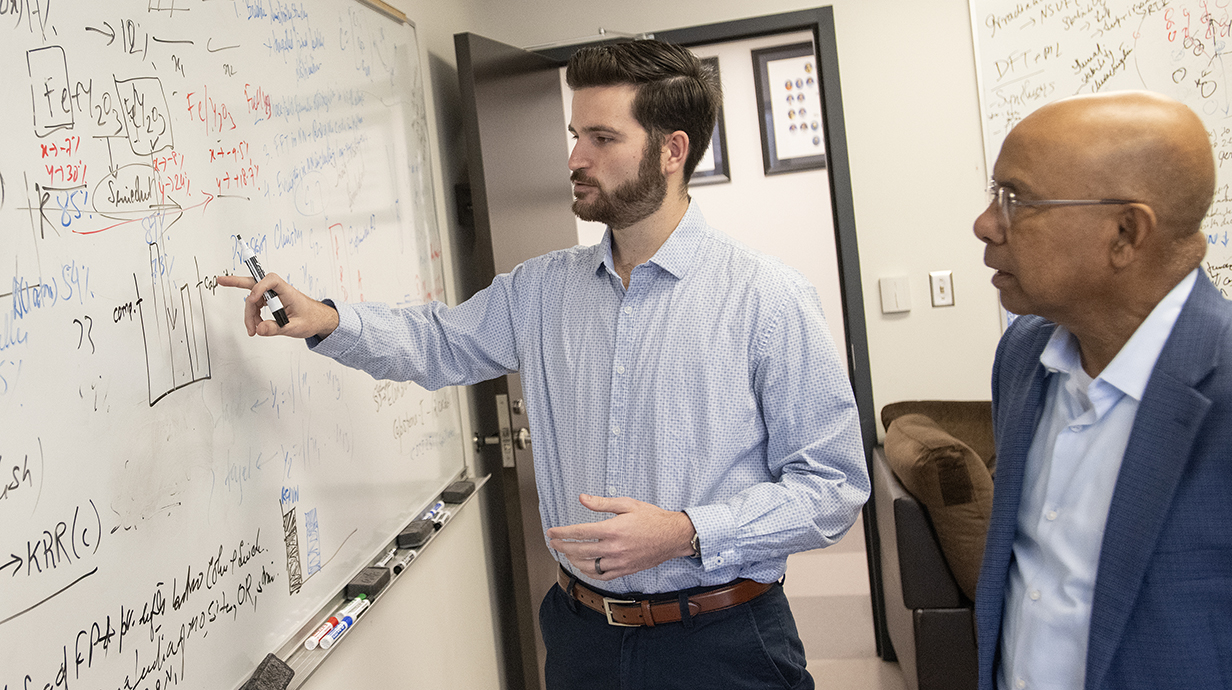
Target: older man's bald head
<point>1112,190</point>
<point>1129,145</point>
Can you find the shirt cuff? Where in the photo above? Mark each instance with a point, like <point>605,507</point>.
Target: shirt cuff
<point>716,530</point>
<point>343,337</point>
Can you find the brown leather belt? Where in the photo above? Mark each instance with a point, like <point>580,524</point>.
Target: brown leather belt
<point>638,612</point>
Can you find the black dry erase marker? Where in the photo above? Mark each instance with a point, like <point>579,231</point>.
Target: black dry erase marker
<point>271,297</point>
<point>405,561</point>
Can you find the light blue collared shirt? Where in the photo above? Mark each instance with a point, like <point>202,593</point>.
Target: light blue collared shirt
<point>1069,479</point>
<point>710,385</point>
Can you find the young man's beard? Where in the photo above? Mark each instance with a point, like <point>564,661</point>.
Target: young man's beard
<point>630,202</point>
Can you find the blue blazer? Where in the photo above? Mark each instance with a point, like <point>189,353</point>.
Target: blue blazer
<point>1162,610</point>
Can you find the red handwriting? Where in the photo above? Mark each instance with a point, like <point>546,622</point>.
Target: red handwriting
<point>241,172</point>
<point>70,146</point>
<point>237,152</point>
<point>216,116</point>
<point>243,178</point>
<point>67,172</point>
<point>258,101</point>
<point>171,175</point>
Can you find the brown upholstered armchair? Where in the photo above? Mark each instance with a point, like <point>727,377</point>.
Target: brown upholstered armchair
<point>930,621</point>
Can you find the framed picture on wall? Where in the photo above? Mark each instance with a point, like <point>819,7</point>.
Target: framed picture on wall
<point>713,167</point>
<point>788,86</point>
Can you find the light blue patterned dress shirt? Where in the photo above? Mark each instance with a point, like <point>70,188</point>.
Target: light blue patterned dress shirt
<point>1070,475</point>
<point>711,385</point>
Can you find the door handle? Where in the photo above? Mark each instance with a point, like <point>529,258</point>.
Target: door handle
<point>504,436</point>
<point>521,439</point>
<point>481,441</point>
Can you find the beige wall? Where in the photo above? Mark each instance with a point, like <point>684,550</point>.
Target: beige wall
<point>913,132</point>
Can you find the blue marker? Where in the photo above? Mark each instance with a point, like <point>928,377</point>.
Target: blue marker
<point>344,624</point>
<point>254,267</point>
<point>434,511</point>
<point>319,634</point>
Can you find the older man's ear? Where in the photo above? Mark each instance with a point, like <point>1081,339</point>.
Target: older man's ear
<point>1136,226</point>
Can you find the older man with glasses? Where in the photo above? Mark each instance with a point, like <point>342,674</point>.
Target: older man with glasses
<point>1109,554</point>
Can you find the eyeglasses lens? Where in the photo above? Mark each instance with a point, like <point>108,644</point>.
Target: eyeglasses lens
<point>1005,201</point>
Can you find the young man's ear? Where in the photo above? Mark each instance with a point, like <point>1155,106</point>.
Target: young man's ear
<point>675,151</point>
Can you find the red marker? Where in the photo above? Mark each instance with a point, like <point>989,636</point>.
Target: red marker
<point>344,624</point>
<point>319,634</point>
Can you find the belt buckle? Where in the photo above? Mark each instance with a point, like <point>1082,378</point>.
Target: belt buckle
<point>607,610</point>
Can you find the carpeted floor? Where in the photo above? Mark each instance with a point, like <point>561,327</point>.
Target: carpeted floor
<point>829,595</point>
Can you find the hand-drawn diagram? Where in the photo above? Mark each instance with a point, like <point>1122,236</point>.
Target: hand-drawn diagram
<point>177,351</point>
<point>134,110</point>
<point>290,533</point>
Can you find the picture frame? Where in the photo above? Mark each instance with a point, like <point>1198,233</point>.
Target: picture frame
<point>792,121</point>
<point>714,167</point>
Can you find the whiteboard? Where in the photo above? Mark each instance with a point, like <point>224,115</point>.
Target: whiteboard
<point>176,498</point>
<point>1034,52</point>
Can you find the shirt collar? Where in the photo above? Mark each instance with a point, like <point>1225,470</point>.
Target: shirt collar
<point>676,254</point>
<point>601,254</point>
<point>1131,369</point>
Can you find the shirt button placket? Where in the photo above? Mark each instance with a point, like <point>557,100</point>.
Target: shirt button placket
<point>620,397</point>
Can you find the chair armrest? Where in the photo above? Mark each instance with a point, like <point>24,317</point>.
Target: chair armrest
<point>909,545</point>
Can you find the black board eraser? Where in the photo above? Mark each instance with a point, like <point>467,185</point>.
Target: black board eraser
<point>415,534</point>
<point>458,491</point>
<point>369,581</point>
<point>271,674</point>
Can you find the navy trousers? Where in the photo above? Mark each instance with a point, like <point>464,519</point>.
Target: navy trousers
<point>753,645</point>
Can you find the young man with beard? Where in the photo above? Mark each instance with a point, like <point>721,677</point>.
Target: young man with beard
<point>692,422</point>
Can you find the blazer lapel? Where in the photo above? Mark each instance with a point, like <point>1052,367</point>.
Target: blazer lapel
<point>1020,401</point>
<point>1165,428</point>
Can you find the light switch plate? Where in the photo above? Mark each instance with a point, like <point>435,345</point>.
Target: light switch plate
<point>895,294</point>
<point>942,284</point>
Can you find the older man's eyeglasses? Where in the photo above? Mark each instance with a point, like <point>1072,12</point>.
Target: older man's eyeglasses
<point>1008,202</point>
